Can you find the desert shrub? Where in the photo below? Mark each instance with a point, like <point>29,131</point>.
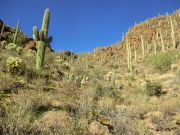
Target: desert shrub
<point>97,73</point>
<point>153,88</point>
<point>162,61</point>
<point>102,91</point>
<point>11,46</point>
<point>30,74</point>
<point>14,65</point>
<point>8,85</point>
<point>19,114</point>
<point>21,39</point>
<point>3,44</point>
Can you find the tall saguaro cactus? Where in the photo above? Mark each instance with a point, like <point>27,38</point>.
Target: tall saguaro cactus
<point>162,42</point>
<point>172,33</point>
<point>142,46</point>
<point>42,39</point>
<point>16,32</point>
<point>129,58</point>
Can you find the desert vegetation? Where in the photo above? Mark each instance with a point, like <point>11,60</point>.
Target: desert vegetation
<point>130,88</point>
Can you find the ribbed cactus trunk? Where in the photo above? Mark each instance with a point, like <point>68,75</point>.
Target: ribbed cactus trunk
<point>155,47</point>
<point>129,56</point>
<point>172,33</point>
<point>113,81</point>
<point>162,43</point>
<point>42,39</point>
<point>135,55</point>
<point>40,55</point>
<point>16,32</point>
<point>2,29</point>
<point>142,46</point>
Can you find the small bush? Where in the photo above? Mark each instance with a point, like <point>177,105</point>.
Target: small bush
<point>14,65</point>
<point>162,61</point>
<point>153,88</point>
<point>11,46</point>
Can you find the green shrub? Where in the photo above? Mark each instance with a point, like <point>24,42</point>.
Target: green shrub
<point>14,65</point>
<point>153,88</point>
<point>162,61</point>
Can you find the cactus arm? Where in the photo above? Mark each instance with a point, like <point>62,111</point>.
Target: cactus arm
<point>16,32</point>
<point>45,23</point>
<point>36,33</point>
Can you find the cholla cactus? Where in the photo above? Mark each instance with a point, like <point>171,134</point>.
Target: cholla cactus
<point>110,75</point>
<point>66,66</point>
<point>71,77</point>
<point>31,53</point>
<point>11,46</point>
<point>19,49</point>
<point>3,44</point>
<point>14,64</point>
<point>84,80</point>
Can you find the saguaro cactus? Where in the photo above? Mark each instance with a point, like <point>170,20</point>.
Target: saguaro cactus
<point>113,81</point>
<point>129,58</point>
<point>42,39</point>
<point>162,42</point>
<point>172,33</point>
<point>16,32</point>
<point>135,55</point>
<point>142,46</point>
<point>2,29</point>
<point>155,47</point>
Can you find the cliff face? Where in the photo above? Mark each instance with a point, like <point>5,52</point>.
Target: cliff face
<point>151,32</point>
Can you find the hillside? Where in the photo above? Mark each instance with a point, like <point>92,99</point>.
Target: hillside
<point>129,88</point>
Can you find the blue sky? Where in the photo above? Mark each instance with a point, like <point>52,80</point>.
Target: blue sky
<point>82,25</point>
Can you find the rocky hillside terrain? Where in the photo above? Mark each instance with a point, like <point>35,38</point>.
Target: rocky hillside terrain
<point>129,88</point>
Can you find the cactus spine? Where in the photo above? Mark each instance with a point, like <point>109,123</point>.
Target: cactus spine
<point>42,39</point>
<point>2,30</point>
<point>172,33</point>
<point>129,58</point>
<point>16,32</point>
